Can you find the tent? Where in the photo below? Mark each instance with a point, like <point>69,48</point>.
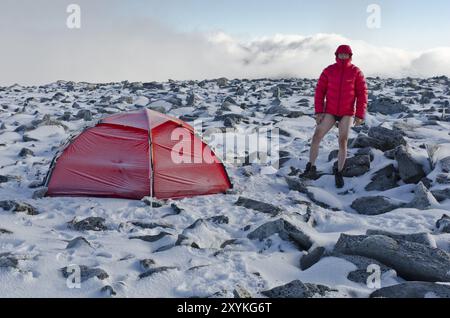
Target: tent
<point>130,155</point>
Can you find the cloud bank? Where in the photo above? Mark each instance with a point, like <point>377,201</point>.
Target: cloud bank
<point>149,51</point>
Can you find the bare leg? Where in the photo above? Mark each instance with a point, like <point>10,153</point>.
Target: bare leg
<point>344,129</point>
<point>321,130</point>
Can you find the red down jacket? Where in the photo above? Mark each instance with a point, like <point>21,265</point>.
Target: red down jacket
<point>339,86</point>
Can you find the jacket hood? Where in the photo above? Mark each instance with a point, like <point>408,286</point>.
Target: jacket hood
<point>344,49</point>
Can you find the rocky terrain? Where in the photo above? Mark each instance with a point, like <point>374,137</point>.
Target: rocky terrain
<point>273,235</point>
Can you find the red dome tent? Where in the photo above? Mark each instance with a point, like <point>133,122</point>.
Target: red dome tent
<point>129,156</point>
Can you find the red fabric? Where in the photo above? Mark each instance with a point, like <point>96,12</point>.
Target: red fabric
<point>342,89</point>
<point>113,159</point>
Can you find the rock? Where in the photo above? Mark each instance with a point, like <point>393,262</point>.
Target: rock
<point>5,231</point>
<point>35,184</point>
<point>362,263</point>
<point>14,206</point>
<point>84,114</point>
<point>108,290</point>
<point>78,242</point>
<point>442,194</point>
<point>333,154</point>
<point>412,261</point>
<point>386,106</point>
<point>296,184</point>
<point>278,109</point>
<point>384,179</point>
<point>241,292</point>
<point>258,206</point>
<point>423,198</point>
<point>90,224</point>
<point>355,166</point>
<point>443,178</point>
<point>141,101</point>
<point>443,224</point>
<point>390,138</point>
<point>153,202</point>
<point>155,270</point>
<point>390,154</point>
<point>39,194</point>
<point>85,272</point>
<point>150,238</point>
<point>445,164</point>
<point>363,141</point>
<point>25,152</point>
<point>146,263</point>
<point>413,290</point>
<point>222,82</point>
<point>420,238</point>
<point>8,260</point>
<point>297,289</point>
<point>311,258</point>
<point>219,219</point>
<point>151,225</point>
<point>374,205</point>
<point>3,179</point>
<point>285,230</point>
<point>410,170</point>
<point>365,152</point>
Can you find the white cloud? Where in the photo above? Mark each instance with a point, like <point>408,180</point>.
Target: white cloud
<point>146,51</point>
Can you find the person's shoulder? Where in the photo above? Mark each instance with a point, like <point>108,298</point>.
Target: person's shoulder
<point>329,68</point>
<point>356,69</point>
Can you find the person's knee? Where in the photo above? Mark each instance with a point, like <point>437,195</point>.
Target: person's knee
<point>317,137</point>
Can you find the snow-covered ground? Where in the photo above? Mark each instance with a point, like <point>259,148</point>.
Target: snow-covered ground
<point>34,248</point>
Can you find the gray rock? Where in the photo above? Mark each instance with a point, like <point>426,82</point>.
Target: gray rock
<point>443,224</point>
<point>413,290</point>
<point>311,258</point>
<point>279,110</point>
<point>8,260</point>
<point>374,205</point>
<point>384,179</point>
<point>333,154</point>
<point>222,82</point>
<point>442,194</point>
<point>85,272</point>
<point>108,290</point>
<point>445,164</point>
<point>258,206</point>
<point>5,231</point>
<point>285,230</point>
<point>363,141</point>
<point>355,166</point>
<point>297,289</point>
<point>147,263</point>
<point>91,224</point>
<point>25,152</point>
<point>443,178</point>
<point>40,193</point>
<point>14,206</point>
<point>412,261</point>
<point>4,179</point>
<point>423,198</point>
<point>219,219</point>
<point>155,270</point>
<point>365,152</point>
<point>152,225</point>
<point>296,184</point>
<point>420,238</point>
<point>390,154</point>
<point>386,106</point>
<point>150,238</point>
<point>241,292</point>
<point>84,114</point>
<point>390,138</point>
<point>410,170</point>
<point>154,203</point>
<point>78,242</point>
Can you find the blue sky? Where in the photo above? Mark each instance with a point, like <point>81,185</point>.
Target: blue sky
<point>408,24</point>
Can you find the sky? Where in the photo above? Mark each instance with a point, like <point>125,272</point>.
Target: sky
<point>146,40</point>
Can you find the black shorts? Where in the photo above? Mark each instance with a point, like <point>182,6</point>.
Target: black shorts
<point>338,118</point>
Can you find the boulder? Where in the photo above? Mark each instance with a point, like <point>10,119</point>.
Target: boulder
<point>85,272</point>
<point>442,194</point>
<point>78,242</point>
<point>355,166</point>
<point>412,261</point>
<point>413,290</point>
<point>443,224</point>
<point>423,198</point>
<point>308,260</point>
<point>409,169</point>
<point>390,139</point>
<point>14,206</point>
<point>155,270</point>
<point>386,106</point>
<point>421,238</point>
<point>374,205</point>
<point>297,289</point>
<point>285,230</point>
<point>384,179</point>
<point>150,238</point>
<point>90,224</point>
<point>363,141</point>
<point>445,164</point>
<point>258,206</point>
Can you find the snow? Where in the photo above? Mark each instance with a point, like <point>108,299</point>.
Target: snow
<point>39,242</point>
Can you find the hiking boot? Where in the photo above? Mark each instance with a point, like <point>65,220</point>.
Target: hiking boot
<point>339,179</point>
<point>310,171</point>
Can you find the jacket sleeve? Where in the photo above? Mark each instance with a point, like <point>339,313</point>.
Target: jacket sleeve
<point>361,95</point>
<point>321,91</point>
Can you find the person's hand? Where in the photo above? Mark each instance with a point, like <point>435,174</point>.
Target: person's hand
<point>358,121</point>
<point>319,118</point>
